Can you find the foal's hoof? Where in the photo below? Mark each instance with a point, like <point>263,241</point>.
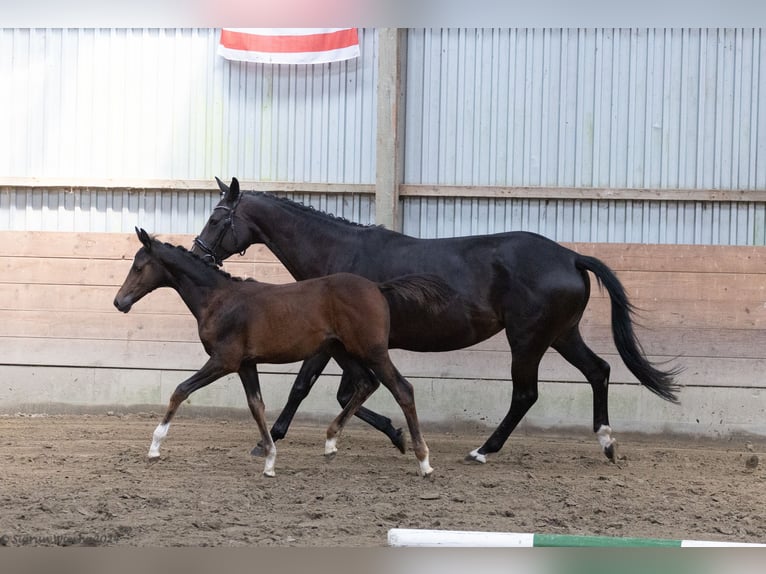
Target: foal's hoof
<point>330,456</point>
<point>258,450</point>
<point>611,451</point>
<point>269,473</point>
<point>476,457</point>
<point>400,441</point>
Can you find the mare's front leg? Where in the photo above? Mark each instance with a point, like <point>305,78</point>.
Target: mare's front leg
<point>248,372</point>
<point>211,371</point>
<point>307,376</point>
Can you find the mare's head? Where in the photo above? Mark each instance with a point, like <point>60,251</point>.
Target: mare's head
<point>146,274</point>
<point>219,238</point>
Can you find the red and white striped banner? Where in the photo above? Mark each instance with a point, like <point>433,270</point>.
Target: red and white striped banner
<point>289,45</point>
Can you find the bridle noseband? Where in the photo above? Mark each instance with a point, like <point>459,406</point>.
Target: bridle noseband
<point>227,222</point>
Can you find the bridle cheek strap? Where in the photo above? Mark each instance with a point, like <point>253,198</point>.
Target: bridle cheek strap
<point>227,223</point>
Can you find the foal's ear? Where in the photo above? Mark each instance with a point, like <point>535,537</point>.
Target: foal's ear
<point>143,236</point>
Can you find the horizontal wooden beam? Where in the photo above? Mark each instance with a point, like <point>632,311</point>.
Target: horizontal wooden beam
<point>553,193</point>
<point>405,190</point>
<point>190,185</point>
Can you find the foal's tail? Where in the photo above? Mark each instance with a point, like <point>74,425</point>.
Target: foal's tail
<point>423,290</point>
<point>659,382</point>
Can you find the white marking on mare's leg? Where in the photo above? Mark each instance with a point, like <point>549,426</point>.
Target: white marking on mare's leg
<point>329,446</point>
<point>604,437</point>
<point>159,435</point>
<point>477,456</point>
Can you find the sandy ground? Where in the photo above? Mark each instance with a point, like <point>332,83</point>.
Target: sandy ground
<point>84,480</point>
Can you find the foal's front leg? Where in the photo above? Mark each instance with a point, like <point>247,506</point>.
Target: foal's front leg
<point>248,372</point>
<point>211,371</point>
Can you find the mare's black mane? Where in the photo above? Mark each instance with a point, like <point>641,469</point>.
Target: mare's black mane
<point>311,210</point>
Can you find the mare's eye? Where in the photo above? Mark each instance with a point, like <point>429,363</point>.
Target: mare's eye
<point>137,268</point>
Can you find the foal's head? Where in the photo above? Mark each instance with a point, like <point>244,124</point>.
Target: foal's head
<point>146,274</point>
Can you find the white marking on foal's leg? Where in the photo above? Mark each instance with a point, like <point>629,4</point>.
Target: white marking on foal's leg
<point>477,456</point>
<point>604,437</point>
<point>271,457</point>
<point>159,435</point>
<point>330,446</point>
<point>424,467</point>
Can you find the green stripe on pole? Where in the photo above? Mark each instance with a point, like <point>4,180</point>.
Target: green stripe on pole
<point>400,537</point>
<point>572,540</point>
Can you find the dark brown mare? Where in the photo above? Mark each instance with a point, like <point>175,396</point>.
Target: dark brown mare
<point>532,287</point>
<point>243,323</point>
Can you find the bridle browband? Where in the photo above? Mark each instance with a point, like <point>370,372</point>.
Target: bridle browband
<point>228,222</point>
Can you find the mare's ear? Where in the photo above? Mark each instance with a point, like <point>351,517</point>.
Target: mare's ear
<point>222,186</point>
<point>143,236</point>
<point>229,193</point>
<point>233,190</point>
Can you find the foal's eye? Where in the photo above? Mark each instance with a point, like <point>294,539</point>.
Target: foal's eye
<point>137,268</point>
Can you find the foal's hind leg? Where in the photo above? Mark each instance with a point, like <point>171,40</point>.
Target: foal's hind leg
<point>210,371</point>
<point>365,385</point>
<point>596,370</point>
<point>404,395</point>
<point>248,372</point>
<point>347,388</point>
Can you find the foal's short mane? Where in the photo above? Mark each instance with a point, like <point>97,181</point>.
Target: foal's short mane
<point>200,261</point>
<point>311,210</point>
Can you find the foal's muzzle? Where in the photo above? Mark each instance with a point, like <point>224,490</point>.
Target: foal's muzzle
<point>123,305</point>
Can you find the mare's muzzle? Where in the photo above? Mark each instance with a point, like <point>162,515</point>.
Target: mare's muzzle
<point>207,251</point>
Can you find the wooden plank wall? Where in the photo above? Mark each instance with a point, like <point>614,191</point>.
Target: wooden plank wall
<point>705,305</point>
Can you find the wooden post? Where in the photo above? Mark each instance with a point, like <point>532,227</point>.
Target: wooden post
<point>392,50</point>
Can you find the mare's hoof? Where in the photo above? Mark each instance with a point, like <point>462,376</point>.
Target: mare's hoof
<point>152,459</point>
<point>400,441</point>
<point>611,451</point>
<point>476,457</point>
<point>258,450</point>
<point>329,456</point>
<point>269,473</point>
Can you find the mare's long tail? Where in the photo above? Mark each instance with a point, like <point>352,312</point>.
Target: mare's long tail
<point>422,290</point>
<point>658,381</point>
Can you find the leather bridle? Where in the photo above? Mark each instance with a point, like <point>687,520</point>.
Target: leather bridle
<point>226,223</point>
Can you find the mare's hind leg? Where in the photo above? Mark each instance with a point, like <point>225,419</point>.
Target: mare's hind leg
<point>404,395</point>
<point>248,372</point>
<point>524,368</point>
<point>365,385</point>
<point>347,388</point>
<point>210,371</point>
<point>307,376</point>
<point>596,370</point>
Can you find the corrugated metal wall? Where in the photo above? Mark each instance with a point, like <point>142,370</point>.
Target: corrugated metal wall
<point>159,103</point>
<point>620,221</point>
<point>625,108</point>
